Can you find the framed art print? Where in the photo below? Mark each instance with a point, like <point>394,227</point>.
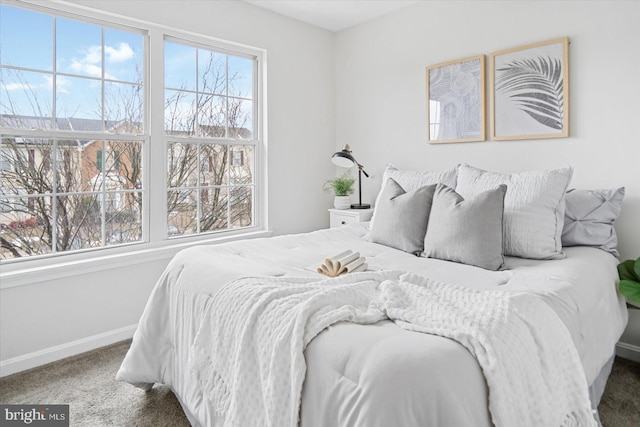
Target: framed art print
<point>530,91</point>
<point>456,100</point>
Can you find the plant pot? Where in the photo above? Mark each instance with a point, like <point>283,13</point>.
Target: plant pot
<point>342,202</point>
<point>634,304</point>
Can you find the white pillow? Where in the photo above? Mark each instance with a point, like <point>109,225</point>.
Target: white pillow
<point>533,207</point>
<point>412,180</point>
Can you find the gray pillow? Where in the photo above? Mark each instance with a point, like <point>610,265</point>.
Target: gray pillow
<point>589,216</point>
<point>467,231</point>
<point>401,217</point>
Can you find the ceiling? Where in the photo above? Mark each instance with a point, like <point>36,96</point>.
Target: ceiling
<point>334,15</point>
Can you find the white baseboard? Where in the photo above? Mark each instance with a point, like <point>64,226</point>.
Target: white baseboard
<point>628,351</point>
<point>52,354</point>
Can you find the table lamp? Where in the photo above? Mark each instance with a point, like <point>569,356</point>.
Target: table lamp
<point>345,159</point>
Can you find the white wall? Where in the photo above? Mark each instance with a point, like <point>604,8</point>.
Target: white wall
<point>51,318</point>
<point>380,92</point>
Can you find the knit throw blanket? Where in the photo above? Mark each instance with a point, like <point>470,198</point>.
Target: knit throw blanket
<point>248,353</point>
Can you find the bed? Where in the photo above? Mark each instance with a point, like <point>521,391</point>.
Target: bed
<point>384,373</point>
<point>349,377</point>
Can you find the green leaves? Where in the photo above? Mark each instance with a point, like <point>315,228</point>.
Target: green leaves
<point>342,186</point>
<point>630,290</point>
<point>629,286</point>
<point>536,86</point>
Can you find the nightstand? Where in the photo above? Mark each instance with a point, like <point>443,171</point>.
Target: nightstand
<point>340,217</point>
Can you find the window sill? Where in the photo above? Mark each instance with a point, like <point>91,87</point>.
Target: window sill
<point>26,273</point>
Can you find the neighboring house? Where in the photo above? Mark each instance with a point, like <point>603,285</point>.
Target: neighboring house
<point>107,171</point>
<point>220,166</point>
<point>85,176</point>
<point>83,165</point>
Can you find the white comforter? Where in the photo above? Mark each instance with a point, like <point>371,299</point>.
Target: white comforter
<point>373,375</point>
<point>248,354</point>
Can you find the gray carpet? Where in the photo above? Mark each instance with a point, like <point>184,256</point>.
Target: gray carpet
<point>86,382</point>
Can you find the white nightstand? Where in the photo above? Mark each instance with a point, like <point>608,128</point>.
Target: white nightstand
<point>340,217</point>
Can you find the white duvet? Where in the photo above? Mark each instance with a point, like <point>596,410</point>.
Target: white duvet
<point>375,374</point>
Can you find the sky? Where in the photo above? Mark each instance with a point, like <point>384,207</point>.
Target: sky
<point>27,41</point>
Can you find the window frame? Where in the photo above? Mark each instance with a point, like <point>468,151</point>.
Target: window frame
<point>227,141</point>
<point>54,136</point>
<point>156,238</point>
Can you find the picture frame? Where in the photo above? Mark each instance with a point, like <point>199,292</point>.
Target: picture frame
<point>456,101</point>
<point>530,91</point>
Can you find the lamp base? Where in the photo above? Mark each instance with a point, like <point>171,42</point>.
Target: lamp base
<point>360,206</point>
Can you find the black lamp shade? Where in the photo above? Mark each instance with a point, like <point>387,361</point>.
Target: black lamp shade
<point>344,159</point>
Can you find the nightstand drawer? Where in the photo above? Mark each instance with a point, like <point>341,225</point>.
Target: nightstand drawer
<point>340,217</point>
<point>338,220</point>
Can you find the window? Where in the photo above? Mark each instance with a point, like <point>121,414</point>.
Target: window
<point>237,157</point>
<point>5,161</point>
<point>71,91</point>
<point>113,160</point>
<point>76,121</point>
<point>209,112</point>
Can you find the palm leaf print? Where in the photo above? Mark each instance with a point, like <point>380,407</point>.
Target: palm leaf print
<point>536,86</point>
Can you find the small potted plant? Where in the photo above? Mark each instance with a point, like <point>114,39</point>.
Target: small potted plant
<point>629,272</point>
<point>342,189</point>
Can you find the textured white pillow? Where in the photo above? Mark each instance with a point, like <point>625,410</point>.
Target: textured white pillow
<point>412,180</point>
<point>533,207</point>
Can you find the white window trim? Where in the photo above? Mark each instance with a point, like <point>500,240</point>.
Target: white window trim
<point>36,272</point>
<point>156,244</point>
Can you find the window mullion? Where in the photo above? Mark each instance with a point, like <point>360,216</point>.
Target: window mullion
<point>226,97</point>
<point>228,135</point>
<point>199,188</point>
<point>102,118</point>
<point>196,120</point>
<point>54,197</point>
<point>54,150</point>
<point>156,156</point>
<point>146,151</point>
<point>54,79</point>
<point>105,154</point>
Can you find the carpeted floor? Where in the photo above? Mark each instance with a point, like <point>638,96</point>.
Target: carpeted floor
<point>87,383</point>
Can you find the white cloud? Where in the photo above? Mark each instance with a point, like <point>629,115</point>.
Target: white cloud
<point>89,64</point>
<point>17,86</point>
<point>62,84</point>
<point>120,54</point>
<point>82,67</point>
<point>93,55</point>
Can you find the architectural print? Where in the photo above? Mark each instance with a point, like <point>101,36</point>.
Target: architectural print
<point>455,101</point>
